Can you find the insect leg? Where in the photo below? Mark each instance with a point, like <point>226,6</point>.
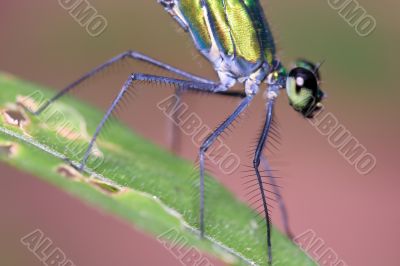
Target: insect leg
<point>174,135</point>
<point>278,196</point>
<point>181,84</point>
<point>256,164</point>
<point>206,145</point>
<point>133,55</point>
<point>126,55</point>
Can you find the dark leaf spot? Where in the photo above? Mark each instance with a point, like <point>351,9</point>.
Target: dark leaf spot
<point>68,172</point>
<point>105,187</point>
<point>7,150</point>
<point>15,117</point>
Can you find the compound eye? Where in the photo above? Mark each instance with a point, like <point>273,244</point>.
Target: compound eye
<point>304,79</point>
<point>305,64</point>
<point>303,90</point>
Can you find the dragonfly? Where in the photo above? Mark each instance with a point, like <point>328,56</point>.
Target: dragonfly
<point>235,37</point>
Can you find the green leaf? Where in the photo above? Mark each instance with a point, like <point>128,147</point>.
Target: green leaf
<point>130,178</point>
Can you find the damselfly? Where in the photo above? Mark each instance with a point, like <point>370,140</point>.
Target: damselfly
<point>236,39</point>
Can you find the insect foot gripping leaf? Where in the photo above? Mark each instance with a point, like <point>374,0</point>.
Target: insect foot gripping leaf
<point>138,184</point>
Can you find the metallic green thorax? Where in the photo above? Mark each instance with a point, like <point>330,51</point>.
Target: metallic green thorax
<point>236,27</point>
<point>192,13</point>
<point>261,26</point>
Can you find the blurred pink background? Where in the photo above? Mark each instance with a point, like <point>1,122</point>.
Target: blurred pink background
<point>355,215</point>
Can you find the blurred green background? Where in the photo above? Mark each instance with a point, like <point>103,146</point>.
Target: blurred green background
<point>355,215</point>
